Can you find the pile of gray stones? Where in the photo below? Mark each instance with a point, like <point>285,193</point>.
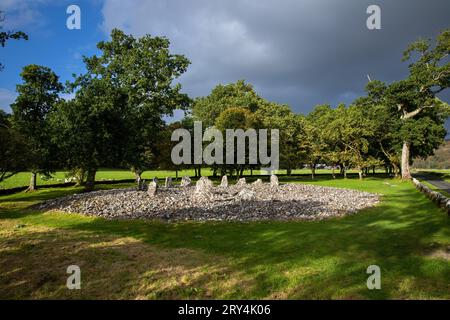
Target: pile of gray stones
<point>205,202</point>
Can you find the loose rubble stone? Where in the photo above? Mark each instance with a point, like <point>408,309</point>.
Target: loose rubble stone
<point>168,183</point>
<point>252,202</point>
<point>274,181</point>
<point>224,182</point>
<point>241,182</point>
<point>186,181</point>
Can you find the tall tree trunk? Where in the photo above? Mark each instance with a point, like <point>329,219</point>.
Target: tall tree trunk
<point>313,170</point>
<point>90,180</point>
<point>333,173</point>
<point>137,178</point>
<point>289,171</point>
<point>79,177</point>
<point>395,170</point>
<point>32,186</point>
<point>406,173</point>
<point>360,173</point>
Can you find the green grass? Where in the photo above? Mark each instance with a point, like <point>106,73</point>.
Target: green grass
<point>434,188</point>
<point>406,235</point>
<point>22,179</point>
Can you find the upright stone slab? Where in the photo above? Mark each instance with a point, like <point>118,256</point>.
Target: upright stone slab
<point>186,181</point>
<point>168,183</point>
<point>258,182</point>
<point>241,182</point>
<point>246,194</point>
<point>274,181</point>
<point>224,182</point>
<point>144,186</point>
<point>203,186</point>
<point>152,189</point>
<point>155,180</point>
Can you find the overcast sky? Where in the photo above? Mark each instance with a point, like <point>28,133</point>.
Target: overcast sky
<point>299,52</point>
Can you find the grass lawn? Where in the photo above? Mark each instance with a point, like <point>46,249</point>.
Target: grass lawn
<point>406,235</point>
<point>23,178</point>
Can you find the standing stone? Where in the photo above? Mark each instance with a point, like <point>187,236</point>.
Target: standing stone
<point>186,181</point>
<point>224,182</point>
<point>144,186</point>
<point>241,182</point>
<point>203,186</point>
<point>258,182</point>
<point>155,180</point>
<point>246,194</point>
<point>168,183</point>
<point>139,183</point>
<point>274,181</point>
<point>152,189</point>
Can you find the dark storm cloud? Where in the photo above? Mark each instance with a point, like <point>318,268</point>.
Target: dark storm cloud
<point>298,52</point>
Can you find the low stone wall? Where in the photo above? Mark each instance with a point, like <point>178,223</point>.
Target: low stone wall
<point>437,197</point>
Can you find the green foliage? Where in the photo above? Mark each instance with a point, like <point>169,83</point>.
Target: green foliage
<point>237,118</point>
<point>116,116</point>
<point>239,95</point>
<point>439,160</point>
<point>9,35</point>
<point>13,151</point>
<point>38,96</point>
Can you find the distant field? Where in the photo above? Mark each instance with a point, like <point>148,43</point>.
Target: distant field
<point>22,179</point>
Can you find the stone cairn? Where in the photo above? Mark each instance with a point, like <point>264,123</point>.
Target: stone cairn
<point>224,182</point>
<point>168,183</point>
<point>205,187</point>
<point>186,181</point>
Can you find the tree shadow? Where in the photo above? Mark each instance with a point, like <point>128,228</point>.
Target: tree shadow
<point>323,259</point>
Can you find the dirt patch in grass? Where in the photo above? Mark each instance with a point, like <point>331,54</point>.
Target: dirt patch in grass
<point>34,260</point>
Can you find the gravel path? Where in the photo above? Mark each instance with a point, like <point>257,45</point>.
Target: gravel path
<point>249,202</point>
